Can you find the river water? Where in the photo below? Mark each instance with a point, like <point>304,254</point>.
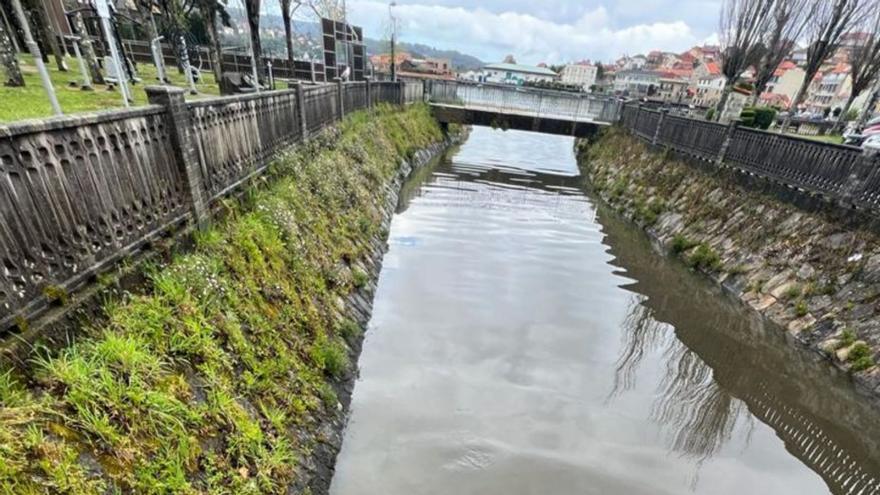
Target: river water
<point>525,340</point>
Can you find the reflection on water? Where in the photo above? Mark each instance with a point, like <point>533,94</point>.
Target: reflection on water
<point>525,340</point>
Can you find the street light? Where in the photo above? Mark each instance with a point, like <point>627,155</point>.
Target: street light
<point>393,35</point>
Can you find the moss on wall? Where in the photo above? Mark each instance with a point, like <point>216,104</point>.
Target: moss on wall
<point>814,275</point>
<point>215,379</point>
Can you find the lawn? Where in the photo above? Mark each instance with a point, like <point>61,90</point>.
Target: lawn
<point>31,101</point>
<point>833,138</point>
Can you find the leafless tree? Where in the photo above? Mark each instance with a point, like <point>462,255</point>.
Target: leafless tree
<point>331,9</point>
<point>743,23</point>
<point>788,18</point>
<point>828,21</point>
<point>864,64</point>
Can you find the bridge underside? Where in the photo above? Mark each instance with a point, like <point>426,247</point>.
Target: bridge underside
<point>447,114</point>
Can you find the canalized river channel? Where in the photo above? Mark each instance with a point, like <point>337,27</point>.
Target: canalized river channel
<point>526,340</point>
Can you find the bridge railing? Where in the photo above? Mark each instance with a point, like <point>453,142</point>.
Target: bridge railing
<point>79,193</point>
<point>540,103</point>
<point>844,174</point>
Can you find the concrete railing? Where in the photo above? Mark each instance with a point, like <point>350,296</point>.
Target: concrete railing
<point>518,100</point>
<point>79,193</point>
<point>845,174</point>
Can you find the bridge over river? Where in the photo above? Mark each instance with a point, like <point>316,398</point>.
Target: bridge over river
<point>517,107</point>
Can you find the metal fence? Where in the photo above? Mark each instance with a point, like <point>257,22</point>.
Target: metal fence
<point>78,193</point>
<point>842,173</point>
<point>541,103</point>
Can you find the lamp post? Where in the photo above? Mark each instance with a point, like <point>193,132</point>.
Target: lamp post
<point>393,36</point>
<point>38,58</point>
<point>103,9</point>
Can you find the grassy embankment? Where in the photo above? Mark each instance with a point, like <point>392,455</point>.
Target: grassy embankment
<point>31,102</point>
<point>213,380</point>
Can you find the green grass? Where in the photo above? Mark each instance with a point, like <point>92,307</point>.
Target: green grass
<point>31,101</point>
<point>214,379</point>
<point>832,139</point>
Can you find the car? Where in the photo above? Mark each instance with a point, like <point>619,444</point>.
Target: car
<point>872,143</point>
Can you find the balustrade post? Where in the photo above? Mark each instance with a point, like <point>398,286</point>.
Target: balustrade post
<point>656,138</point>
<point>368,85</point>
<point>185,147</point>
<point>725,145</point>
<point>301,108</point>
<point>855,184</point>
<point>340,97</point>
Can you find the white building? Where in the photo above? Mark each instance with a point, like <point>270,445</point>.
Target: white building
<point>518,74</point>
<point>636,83</point>
<point>580,74</point>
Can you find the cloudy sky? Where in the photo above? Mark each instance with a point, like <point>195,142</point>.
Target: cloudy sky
<point>549,31</point>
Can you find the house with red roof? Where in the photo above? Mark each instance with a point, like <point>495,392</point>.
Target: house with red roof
<point>829,89</point>
<point>784,85</point>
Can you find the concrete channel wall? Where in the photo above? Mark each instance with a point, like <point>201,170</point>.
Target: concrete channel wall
<point>811,266</point>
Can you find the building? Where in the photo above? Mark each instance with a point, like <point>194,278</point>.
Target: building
<point>581,74</point>
<point>636,83</point>
<point>829,89</point>
<point>672,89</point>
<point>709,90</point>
<point>783,86</point>
<point>518,74</point>
<point>382,62</point>
<point>409,66</point>
<point>632,63</point>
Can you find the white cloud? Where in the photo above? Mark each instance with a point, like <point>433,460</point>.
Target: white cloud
<point>491,35</point>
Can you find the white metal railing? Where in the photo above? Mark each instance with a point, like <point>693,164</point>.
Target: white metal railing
<point>520,100</point>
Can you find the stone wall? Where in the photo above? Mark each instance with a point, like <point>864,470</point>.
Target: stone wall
<point>813,270</point>
<point>80,193</point>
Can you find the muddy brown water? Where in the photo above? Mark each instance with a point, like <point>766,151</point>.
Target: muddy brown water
<point>525,340</point>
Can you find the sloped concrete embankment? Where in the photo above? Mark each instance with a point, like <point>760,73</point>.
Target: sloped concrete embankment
<point>231,369</point>
<point>814,271</point>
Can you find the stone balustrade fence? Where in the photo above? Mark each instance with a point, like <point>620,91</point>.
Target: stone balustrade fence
<point>80,193</point>
<point>845,175</point>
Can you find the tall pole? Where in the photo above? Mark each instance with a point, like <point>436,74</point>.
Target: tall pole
<point>393,36</point>
<point>104,13</point>
<point>38,57</point>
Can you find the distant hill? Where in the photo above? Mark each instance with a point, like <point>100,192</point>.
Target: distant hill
<point>460,61</point>
<point>309,30</point>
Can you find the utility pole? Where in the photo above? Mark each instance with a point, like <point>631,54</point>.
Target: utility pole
<point>121,74</point>
<point>393,36</point>
<point>38,57</point>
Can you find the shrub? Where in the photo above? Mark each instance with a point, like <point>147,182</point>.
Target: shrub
<point>757,117</point>
<point>764,117</point>
<point>860,357</point>
<point>747,117</point>
<point>800,309</point>
<point>681,244</point>
<point>710,114</point>
<point>704,257</point>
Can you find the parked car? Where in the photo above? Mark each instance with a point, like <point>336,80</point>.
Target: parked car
<point>872,143</point>
<point>854,138</point>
